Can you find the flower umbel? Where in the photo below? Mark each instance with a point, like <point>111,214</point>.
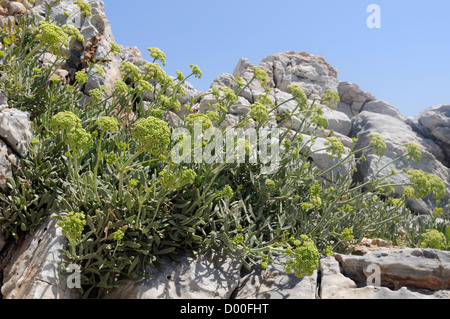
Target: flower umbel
<point>153,134</point>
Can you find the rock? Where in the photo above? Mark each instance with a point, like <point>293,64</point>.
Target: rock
<point>224,80</point>
<point>338,121</point>
<point>385,108</point>
<point>34,271</point>
<point>2,240</point>
<point>245,70</point>
<point>274,283</point>
<point>313,73</point>
<point>189,279</point>
<point>16,7</point>
<point>434,122</point>
<point>396,133</point>
<point>15,130</point>
<point>353,96</point>
<point>415,268</point>
<point>337,285</point>
<point>8,161</point>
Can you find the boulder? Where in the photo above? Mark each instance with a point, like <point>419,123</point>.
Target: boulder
<point>189,278</point>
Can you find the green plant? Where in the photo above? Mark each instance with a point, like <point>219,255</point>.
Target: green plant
<point>109,164</point>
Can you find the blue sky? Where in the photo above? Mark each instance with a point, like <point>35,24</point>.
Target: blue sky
<point>406,62</point>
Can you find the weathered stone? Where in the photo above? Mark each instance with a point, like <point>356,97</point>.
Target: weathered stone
<point>397,133</point>
<point>8,161</point>
<point>15,130</point>
<point>189,279</point>
<point>313,73</point>
<point>352,95</point>
<point>416,268</point>
<point>336,285</point>
<point>274,283</point>
<point>385,108</point>
<point>34,271</point>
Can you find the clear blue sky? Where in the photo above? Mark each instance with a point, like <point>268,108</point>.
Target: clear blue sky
<point>406,62</point>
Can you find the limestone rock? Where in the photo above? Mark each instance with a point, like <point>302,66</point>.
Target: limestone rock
<point>352,95</point>
<point>8,161</point>
<point>15,130</point>
<point>34,271</point>
<point>337,284</point>
<point>274,283</point>
<point>416,268</point>
<point>313,73</point>
<point>189,279</point>
<point>396,133</point>
<point>385,108</point>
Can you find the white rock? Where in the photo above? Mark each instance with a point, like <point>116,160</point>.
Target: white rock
<point>15,130</point>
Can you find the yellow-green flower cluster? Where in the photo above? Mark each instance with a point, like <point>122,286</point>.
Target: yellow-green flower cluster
<point>154,72</point>
<point>230,95</point>
<point>335,147</point>
<point>121,87</point>
<point>153,134</point>
<point>115,48</point>
<point>227,192</point>
<point>111,158</point>
<point>84,6</point>
<point>303,257</point>
<point>378,144</point>
<point>413,152</point>
<point>73,32</point>
<point>434,239</point>
<point>270,184</point>
<point>79,140</point>
<point>213,116</point>
<point>51,36</point>
<point>261,76</point>
<point>424,183</point>
<point>259,112</point>
<point>196,71</point>
<point>202,119</point>
<point>347,234</point>
<point>170,180</point>
<point>96,95</point>
<point>157,54</point>
<point>330,97</point>
<point>81,77</point>
<point>65,121</point>
<point>130,71</point>
<point>320,121</point>
<point>107,124</point>
<point>298,94</point>
<point>72,225</point>
<point>143,85</point>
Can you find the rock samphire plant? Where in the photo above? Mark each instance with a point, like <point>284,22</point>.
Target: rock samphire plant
<point>108,169</point>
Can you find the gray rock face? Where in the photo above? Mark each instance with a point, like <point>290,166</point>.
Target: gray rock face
<point>274,283</point>
<point>396,133</point>
<point>34,271</point>
<point>353,96</point>
<point>15,130</point>
<point>405,274</point>
<point>189,279</point>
